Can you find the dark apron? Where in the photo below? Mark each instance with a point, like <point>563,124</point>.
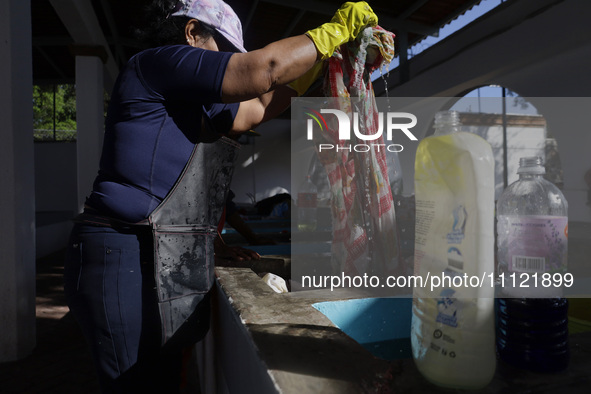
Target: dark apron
<point>184,227</point>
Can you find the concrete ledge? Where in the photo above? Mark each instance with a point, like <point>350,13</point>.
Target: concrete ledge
<point>301,351</point>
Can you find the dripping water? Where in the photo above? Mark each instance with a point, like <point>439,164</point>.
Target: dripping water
<point>385,79</point>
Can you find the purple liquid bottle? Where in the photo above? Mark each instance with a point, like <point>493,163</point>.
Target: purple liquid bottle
<point>532,321</point>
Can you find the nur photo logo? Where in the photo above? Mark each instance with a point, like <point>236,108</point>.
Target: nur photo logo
<point>390,122</point>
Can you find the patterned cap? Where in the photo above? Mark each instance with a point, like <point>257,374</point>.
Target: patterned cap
<point>215,13</point>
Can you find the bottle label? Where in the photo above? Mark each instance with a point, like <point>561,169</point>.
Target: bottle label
<point>448,308</point>
<point>535,243</point>
<point>307,200</point>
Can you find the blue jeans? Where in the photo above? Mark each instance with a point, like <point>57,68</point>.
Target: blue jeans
<point>110,289</point>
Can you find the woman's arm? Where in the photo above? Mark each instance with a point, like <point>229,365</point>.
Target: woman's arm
<point>254,78</point>
<point>252,74</point>
<point>253,112</point>
<point>257,79</point>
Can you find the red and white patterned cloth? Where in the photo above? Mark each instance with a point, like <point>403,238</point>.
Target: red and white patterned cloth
<point>364,223</point>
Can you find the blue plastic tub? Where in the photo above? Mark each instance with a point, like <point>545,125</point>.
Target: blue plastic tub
<point>381,325</point>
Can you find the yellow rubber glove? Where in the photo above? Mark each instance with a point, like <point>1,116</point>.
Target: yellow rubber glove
<point>344,26</point>
<point>303,83</point>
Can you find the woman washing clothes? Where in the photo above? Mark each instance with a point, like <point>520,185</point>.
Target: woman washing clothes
<point>139,264</point>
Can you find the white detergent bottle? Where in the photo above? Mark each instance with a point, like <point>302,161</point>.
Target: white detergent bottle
<point>452,333</point>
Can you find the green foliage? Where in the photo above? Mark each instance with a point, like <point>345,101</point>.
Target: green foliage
<point>64,118</point>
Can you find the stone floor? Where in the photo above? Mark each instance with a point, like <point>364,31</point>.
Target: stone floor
<point>61,362</point>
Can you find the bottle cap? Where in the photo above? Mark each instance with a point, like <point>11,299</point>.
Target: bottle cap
<point>447,117</point>
<point>531,165</point>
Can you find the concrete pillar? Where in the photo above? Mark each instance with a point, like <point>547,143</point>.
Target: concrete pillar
<point>89,120</point>
<point>17,199</point>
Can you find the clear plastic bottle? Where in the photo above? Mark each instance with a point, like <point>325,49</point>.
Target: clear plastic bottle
<point>452,331</point>
<point>532,226</point>
<point>307,205</point>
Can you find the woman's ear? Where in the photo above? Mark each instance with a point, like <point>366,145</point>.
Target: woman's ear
<point>192,29</point>
<point>199,37</point>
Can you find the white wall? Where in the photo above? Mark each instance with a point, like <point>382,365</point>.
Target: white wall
<point>269,173</point>
<point>521,142</point>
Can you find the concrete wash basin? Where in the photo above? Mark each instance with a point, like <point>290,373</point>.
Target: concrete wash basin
<point>381,325</point>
